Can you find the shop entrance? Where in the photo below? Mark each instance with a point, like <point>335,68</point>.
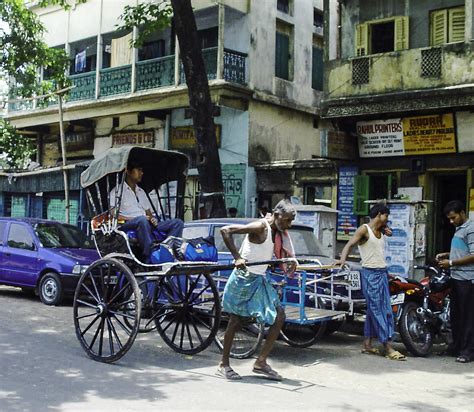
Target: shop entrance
<point>446,187</point>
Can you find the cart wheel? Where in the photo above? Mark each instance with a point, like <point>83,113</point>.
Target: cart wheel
<point>187,311</point>
<point>107,309</point>
<point>246,341</point>
<point>302,336</point>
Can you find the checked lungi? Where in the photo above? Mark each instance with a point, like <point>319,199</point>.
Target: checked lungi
<point>250,295</point>
<point>379,318</point>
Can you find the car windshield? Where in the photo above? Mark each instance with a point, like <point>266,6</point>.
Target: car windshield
<point>55,235</point>
<point>305,242</point>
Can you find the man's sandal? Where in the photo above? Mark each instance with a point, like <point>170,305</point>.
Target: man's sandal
<point>463,359</point>
<point>396,355</point>
<point>370,351</point>
<point>268,372</point>
<point>228,373</point>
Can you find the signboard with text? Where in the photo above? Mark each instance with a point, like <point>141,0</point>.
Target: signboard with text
<point>141,138</point>
<point>421,135</point>
<point>346,219</point>
<point>183,137</point>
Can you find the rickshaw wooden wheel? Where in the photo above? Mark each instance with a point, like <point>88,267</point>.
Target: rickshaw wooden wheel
<point>107,306</point>
<point>302,336</point>
<point>187,311</point>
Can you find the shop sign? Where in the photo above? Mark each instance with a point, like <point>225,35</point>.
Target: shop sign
<point>233,179</point>
<point>420,135</point>
<point>337,145</point>
<point>183,137</point>
<point>346,219</point>
<point>79,141</point>
<point>141,138</point>
<point>471,203</point>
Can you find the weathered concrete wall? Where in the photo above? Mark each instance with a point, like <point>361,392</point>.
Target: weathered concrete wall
<point>280,134</point>
<point>402,71</point>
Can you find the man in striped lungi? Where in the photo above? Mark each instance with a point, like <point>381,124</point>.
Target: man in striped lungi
<point>374,278</point>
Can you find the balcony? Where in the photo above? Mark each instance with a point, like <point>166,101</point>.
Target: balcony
<point>402,71</point>
<point>150,75</point>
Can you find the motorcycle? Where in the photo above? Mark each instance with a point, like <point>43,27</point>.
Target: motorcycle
<point>422,309</point>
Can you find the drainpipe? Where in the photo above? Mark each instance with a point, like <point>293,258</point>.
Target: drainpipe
<point>63,153</point>
<point>176,61</point>
<point>134,61</point>
<point>339,30</point>
<point>99,52</point>
<point>220,41</point>
<point>468,35</point>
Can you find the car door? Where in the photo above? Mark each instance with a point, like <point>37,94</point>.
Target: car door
<point>3,226</point>
<point>20,255</point>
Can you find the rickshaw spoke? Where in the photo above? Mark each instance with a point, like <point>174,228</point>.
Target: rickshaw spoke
<point>95,286</point>
<point>96,333</point>
<point>200,321</point>
<point>202,301</point>
<point>90,325</point>
<point>176,329</point>
<point>111,342</point>
<point>127,331</point>
<point>189,333</point>
<point>170,322</point>
<point>86,303</point>
<point>90,293</point>
<point>192,287</point>
<point>87,316</point>
<point>201,292</point>
<point>196,329</point>
<point>123,314</point>
<point>101,337</point>
<point>115,333</point>
<point>171,288</point>
<point>120,304</point>
<point>183,323</point>
<point>118,293</point>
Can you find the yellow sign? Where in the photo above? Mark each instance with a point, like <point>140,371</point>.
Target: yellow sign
<point>184,138</point>
<point>471,200</point>
<point>429,134</point>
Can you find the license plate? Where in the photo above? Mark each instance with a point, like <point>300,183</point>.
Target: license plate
<point>354,280</point>
<point>397,299</point>
<point>112,280</point>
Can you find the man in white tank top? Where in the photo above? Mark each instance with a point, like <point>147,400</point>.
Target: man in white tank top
<point>374,279</point>
<point>247,293</point>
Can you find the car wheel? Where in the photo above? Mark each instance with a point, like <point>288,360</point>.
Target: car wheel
<point>51,290</point>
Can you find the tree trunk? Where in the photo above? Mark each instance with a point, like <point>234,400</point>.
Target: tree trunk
<point>209,165</point>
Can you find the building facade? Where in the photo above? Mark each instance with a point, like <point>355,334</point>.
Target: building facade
<point>401,85</point>
<point>264,61</point>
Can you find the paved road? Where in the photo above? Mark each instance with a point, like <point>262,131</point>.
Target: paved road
<point>43,368</point>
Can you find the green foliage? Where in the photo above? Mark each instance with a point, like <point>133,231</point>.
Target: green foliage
<point>150,17</point>
<point>16,147</point>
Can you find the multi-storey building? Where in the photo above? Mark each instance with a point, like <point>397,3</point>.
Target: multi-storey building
<point>264,62</point>
<point>402,86</point>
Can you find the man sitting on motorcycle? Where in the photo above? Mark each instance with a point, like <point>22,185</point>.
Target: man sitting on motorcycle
<point>374,278</point>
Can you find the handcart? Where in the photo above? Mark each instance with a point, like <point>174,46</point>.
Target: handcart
<point>306,312</point>
<point>114,293</point>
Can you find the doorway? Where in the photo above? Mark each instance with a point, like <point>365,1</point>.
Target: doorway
<point>446,187</point>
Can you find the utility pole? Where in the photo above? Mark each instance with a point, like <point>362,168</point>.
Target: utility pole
<point>63,152</point>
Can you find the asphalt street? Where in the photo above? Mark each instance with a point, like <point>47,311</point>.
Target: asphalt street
<point>43,368</point>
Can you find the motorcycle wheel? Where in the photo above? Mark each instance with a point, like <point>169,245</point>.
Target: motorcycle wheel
<point>415,335</point>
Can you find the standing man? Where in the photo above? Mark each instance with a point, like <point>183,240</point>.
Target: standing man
<point>374,278</point>
<point>461,262</point>
<point>136,212</point>
<point>247,293</point>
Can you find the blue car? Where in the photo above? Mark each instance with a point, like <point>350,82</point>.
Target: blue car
<point>43,257</point>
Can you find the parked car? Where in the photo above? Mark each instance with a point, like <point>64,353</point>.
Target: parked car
<point>306,245</point>
<point>44,257</point>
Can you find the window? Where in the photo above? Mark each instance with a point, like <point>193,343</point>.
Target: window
<point>19,237</point>
<point>283,6</point>
<point>192,232</point>
<point>380,36</point>
<point>318,19</point>
<point>373,187</point>
<point>152,50</point>
<point>284,51</point>
<point>318,194</point>
<point>447,25</point>
<point>220,245</point>
<point>317,72</point>
<point>208,37</point>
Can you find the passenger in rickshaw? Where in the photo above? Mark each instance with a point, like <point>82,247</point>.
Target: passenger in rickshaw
<point>247,293</point>
<point>136,212</point>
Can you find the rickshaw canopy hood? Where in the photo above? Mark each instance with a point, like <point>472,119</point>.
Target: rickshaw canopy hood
<point>159,166</point>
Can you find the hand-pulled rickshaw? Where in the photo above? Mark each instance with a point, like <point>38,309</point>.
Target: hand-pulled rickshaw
<point>118,290</point>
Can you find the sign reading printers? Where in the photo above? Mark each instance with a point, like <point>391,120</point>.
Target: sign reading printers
<point>408,136</point>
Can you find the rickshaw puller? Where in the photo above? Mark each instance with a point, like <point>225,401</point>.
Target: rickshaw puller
<point>136,211</point>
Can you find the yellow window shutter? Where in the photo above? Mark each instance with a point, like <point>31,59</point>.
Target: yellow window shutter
<point>401,33</point>
<point>456,17</point>
<point>439,27</point>
<point>362,41</point>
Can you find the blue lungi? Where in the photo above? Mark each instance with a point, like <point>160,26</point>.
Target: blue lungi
<point>379,318</point>
<point>250,295</point>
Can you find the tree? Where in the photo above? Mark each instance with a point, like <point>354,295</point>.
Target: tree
<point>153,16</point>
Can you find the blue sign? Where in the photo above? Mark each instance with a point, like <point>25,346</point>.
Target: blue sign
<point>346,220</point>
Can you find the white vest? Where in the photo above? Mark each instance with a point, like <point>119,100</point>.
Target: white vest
<point>255,252</point>
<point>372,251</point>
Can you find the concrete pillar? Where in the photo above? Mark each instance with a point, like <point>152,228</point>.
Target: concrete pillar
<point>134,61</point>
<point>468,33</point>
<point>326,29</point>
<point>177,62</point>
<point>100,47</point>
<point>220,41</point>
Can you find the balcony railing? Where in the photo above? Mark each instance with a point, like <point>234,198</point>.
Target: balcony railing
<point>150,74</point>
<point>413,69</point>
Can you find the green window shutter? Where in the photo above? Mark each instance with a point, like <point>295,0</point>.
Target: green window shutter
<point>318,69</point>
<point>361,194</point>
<point>456,18</point>
<point>18,207</point>
<point>362,39</point>
<point>438,27</point>
<point>282,55</point>
<point>402,34</point>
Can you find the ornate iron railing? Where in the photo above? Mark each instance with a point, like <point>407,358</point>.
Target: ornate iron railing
<point>115,80</point>
<point>234,66</point>
<point>85,86</point>
<point>155,73</point>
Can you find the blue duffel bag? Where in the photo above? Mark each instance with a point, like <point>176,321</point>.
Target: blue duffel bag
<point>201,249</point>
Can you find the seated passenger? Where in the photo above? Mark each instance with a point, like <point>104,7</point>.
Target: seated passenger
<point>136,211</point>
